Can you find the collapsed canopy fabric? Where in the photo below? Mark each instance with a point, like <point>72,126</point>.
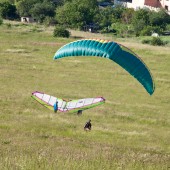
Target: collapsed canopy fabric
<point>113,51</point>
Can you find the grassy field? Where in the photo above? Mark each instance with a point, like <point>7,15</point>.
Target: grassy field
<point>130,131</point>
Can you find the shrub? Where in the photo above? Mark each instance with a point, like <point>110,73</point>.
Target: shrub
<point>8,11</point>
<point>49,21</point>
<point>148,30</point>
<point>168,27</point>
<point>61,32</point>
<point>157,41</point>
<point>121,30</point>
<point>146,41</point>
<point>108,30</point>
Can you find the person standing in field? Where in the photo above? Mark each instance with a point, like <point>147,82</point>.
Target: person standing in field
<point>56,107</point>
<point>88,125</point>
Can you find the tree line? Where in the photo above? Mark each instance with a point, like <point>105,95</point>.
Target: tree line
<point>76,14</point>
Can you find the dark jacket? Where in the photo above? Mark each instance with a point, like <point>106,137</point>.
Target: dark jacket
<point>88,125</point>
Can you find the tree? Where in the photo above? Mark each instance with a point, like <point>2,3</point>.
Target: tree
<point>76,13</point>
<point>109,15</point>
<point>117,13</point>
<point>127,15</point>
<point>24,6</point>
<point>140,19</point>
<point>7,10</point>
<point>105,17</point>
<point>59,2</point>
<point>41,10</point>
<point>69,15</point>
<point>141,14</point>
<point>160,18</point>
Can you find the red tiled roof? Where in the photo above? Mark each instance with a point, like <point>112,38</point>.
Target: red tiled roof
<point>153,3</point>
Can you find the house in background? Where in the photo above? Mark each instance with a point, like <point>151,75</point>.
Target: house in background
<point>165,4</point>
<point>27,19</point>
<point>150,4</point>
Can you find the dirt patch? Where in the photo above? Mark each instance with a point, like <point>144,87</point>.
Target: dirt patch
<point>48,43</point>
<point>16,51</point>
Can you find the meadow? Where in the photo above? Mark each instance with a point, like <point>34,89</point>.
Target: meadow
<point>130,131</point>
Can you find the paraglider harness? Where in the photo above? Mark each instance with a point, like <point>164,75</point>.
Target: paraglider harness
<point>79,112</point>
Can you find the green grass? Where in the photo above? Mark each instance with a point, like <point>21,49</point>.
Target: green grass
<point>130,131</point>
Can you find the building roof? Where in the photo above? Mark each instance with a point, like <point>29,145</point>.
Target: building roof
<point>153,3</point>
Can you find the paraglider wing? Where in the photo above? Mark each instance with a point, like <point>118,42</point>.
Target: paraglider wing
<point>113,51</point>
<point>83,104</point>
<point>64,106</point>
<point>48,101</point>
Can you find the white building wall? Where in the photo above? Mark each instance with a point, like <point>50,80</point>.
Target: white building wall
<point>165,3</point>
<point>27,19</point>
<point>136,4</point>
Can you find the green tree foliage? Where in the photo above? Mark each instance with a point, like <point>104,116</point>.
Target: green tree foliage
<point>76,12</point>
<point>117,13</point>
<point>49,21</point>
<point>127,15</point>
<point>7,10</point>
<point>148,30</point>
<point>60,31</point>
<point>69,15</point>
<point>107,16</point>
<point>141,14</point>
<point>24,6</point>
<point>121,29</point>
<point>140,19</point>
<point>10,1</point>
<point>59,2</point>
<point>41,10</point>
<point>145,22</point>
<point>160,18</point>
<point>156,41</point>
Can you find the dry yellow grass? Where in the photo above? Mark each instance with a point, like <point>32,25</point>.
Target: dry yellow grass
<point>130,131</point>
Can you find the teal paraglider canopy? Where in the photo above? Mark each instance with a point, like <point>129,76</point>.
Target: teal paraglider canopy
<point>113,51</point>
